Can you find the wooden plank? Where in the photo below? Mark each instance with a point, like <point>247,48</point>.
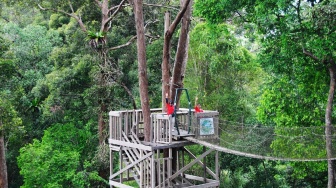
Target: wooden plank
<point>198,178</point>
<point>124,179</point>
<point>170,165</point>
<point>190,164</point>
<point>120,127</point>
<point>130,165</point>
<point>111,162</point>
<point>141,170</point>
<point>211,183</point>
<point>114,113</point>
<point>114,148</point>
<point>162,116</point>
<point>217,166</point>
<point>174,144</point>
<point>126,122</point>
<point>121,165</point>
<point>117,184</point>
<point>130,144</point>
<point>153,170</point>
<point>110,126</point>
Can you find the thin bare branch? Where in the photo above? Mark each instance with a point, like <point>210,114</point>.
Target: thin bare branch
<point>116,7</point>
<point>152,38</point>
<point>55,10</point>
<point>162,6</point>
<point>114,13</point>
<point>242,17</point>
<point>124,45</point>
<point>130,94</point>
<point>70,5</point>
<point>73,15</point>
<point>151,22</point>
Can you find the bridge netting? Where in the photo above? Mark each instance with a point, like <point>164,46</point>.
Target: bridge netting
<point>271,142</point>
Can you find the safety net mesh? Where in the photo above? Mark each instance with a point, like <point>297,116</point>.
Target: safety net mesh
<point>271,142</point>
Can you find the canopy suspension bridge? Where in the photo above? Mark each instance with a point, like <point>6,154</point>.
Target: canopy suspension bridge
<point>270,142</point>
<point>166,161</point>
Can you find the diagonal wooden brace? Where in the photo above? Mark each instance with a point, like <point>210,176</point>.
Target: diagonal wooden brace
<point>190,164</point>
<point>131,165</point>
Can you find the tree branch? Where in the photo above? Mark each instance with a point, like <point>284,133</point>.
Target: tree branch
<point>162,6</point>
<point>242,17</point>
<point>5,19</point>
<point>178,18</point>
<point>115,7</point>
<point>311,55</point>
<point>72,10</point>
<point>124,45</point>
<point>130,94</point>
<point>152,37</point>
<point>114,13</point>
<point>73,15</point>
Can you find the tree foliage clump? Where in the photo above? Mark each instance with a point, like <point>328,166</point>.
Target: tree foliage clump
<point>223,74</point>
<point>58,160</point>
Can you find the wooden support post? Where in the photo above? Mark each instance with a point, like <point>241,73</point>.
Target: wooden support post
<point>126,123</point>
<point>170,166</point>
<point>111,165</point>
<point>204,165</point>
<point>121,159</point>
<point>119,127</point>
<point>110,126</point>
<point>158,167</point>
<point>217,167</point>
<point>141,171</point>
<point>153,171</point>
<point>182,165</point>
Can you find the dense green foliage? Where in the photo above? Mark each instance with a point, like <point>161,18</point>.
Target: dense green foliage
<point>246,61</point>
<point>224,75</point>
<point>59,159</point>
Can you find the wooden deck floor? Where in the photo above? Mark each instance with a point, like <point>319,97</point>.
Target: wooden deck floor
<point>183,133</point>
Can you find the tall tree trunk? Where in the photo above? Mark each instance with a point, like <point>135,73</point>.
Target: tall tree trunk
<point>3,166</point>
<point>180,63</point>
<point>165,59</point>
<point>101,123</point>
<point>142,67</point>
<point>329,126</point>
<point>166,48</point>
<point>330,63</point>
<point>182,52</point>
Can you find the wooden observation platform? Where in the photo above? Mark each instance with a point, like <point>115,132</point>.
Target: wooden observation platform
<point>164,161</point>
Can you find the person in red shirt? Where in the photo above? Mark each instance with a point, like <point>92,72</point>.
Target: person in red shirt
<point>169,106</point>
<point>197,106</point>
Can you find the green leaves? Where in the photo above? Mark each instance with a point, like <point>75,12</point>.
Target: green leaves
<point>221,73</point>
<point>96,39</point>
<point>8,115</point>
<point>55,161</point>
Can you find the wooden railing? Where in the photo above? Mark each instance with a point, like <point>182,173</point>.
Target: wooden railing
<point>161,128</point>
